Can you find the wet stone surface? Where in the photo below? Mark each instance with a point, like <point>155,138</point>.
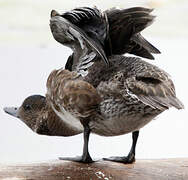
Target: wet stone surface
<point>172,169</point>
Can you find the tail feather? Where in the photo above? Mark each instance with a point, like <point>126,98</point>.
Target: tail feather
<point>176,103</point>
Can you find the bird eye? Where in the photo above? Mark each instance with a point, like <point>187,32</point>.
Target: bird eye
<point>27,107</point>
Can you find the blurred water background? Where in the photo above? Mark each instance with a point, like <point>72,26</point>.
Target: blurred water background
<point>28,53</point>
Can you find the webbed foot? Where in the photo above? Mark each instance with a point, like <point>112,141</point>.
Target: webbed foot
<point>77,159</point>
<point>131,156</point>
<point>125,159</point>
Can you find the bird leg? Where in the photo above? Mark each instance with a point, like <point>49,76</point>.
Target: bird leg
<point>131,156</point>
<point>85,158</point>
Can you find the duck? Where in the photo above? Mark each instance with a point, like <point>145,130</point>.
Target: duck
<point>108,94</point>
<point>111,32</point>
<point>40,118</point>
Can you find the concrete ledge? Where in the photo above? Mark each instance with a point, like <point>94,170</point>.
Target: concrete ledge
<point>164,169</point>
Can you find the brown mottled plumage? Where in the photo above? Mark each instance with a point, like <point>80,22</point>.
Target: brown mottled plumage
<point>76,96</point>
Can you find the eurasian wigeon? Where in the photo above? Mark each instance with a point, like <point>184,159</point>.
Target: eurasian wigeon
<point>116,97</point>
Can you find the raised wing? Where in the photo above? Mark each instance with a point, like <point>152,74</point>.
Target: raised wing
<point>125,26</point>
<point>71,35</point>
<point>92,34</point>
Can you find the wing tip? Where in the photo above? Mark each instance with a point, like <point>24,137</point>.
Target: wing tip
<point>54,13</point>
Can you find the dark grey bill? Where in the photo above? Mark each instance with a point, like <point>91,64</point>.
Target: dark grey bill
<point>12,111</point>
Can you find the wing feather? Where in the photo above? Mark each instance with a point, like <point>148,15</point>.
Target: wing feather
<point>78,97</point>
<point>126,25</point>
<point>61,29</point>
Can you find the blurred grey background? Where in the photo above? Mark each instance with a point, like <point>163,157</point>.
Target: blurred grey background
<point>28,53</point>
